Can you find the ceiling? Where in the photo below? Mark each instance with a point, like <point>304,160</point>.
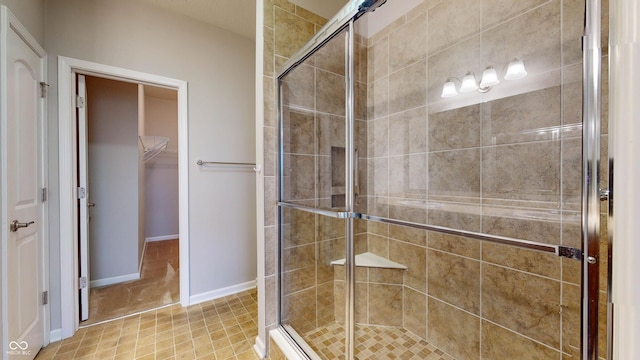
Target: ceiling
<point>237,16</point>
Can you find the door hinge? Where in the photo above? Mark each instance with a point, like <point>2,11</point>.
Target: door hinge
<point>45,297</point>
<point>43,89</point>
<point>44,194</point>
<point>82,282</point>
<point>82,193</point>
<point>79,101</point>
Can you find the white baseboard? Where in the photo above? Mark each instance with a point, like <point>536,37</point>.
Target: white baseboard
<point>55,335</point>
<point>260,348</point>
<point>114,280</point>
<point>162,238</point>
<point>215,294</point>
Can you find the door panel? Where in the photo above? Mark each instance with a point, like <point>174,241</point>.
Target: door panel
<point>24,184</point>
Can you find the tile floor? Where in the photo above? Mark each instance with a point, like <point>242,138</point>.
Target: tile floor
<point>224,328</point>
<point>373,342</point>
<point>159,285</point>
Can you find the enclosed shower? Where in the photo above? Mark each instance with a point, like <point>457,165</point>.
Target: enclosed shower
<point>442,182</point>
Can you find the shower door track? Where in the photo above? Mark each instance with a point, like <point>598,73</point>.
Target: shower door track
<point>558,250</point>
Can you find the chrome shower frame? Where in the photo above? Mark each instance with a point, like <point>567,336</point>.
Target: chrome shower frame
<point>589,255</point>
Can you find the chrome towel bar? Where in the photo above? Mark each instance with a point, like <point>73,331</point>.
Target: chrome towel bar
<point>257,168</point>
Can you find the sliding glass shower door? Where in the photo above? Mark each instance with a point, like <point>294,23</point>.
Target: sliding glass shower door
<point>437,184</point>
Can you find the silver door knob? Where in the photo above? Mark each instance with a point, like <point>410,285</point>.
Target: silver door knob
<point>15,225</point>
<point>90,204</point>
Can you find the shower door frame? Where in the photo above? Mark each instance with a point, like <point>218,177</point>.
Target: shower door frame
<point>592,195</point>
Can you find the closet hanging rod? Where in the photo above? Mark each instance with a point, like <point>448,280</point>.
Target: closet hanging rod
<point>200,162</point>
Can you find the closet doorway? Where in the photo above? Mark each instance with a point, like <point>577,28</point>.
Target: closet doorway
<point>128,197</point>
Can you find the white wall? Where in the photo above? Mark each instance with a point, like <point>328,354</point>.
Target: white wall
<point>219,69</point>
<point>113,177</point>
<point>161,181</point>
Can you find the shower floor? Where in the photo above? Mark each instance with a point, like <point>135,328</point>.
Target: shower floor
<point>373,342</point>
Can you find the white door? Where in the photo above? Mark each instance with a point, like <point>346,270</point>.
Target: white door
<point>83,197</point>
<point>25,307</point>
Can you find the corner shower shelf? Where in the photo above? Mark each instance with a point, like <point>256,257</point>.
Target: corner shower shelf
<point>371,260</point>
<point>153,145</point>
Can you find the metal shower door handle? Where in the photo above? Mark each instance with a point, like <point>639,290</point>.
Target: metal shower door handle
<point>15,225</point>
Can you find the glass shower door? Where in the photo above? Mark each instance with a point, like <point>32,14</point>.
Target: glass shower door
<point>313,199</point>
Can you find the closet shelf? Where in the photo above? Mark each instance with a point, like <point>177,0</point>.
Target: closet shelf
<point>153,145</point>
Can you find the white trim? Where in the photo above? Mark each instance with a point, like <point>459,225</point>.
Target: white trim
<point>162,238</point>
<point>114,280</point>
<point>218,293</point>
<point>67,68</point>
<point>7,19</point>
<point>259,105</point>
<point>624,130</point>
<point>55,335</point>
<point>260,348</point>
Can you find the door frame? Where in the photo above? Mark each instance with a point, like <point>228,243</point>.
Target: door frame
<point>8,20</point>
<point>67,69</point>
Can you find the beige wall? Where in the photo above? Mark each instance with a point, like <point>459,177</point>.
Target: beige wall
<point>162,172</point>
<point>219,69</point>
<point>31,15</point>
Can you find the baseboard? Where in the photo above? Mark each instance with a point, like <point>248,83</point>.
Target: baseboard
<point>215,294</point>
<point>162,238</point>
<point>55,335</point>
<point>260,348</point>
<point>114,280</point>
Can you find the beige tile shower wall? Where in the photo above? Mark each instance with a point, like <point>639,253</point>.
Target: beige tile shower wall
<point>507,165</point>
<point>286,28</point>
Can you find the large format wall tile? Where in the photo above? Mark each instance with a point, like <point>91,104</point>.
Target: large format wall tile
<point>533,116</point>
<point>408,44</point>
<point>499,343</point>
<point>407,87</point>
<point>455,244</point>
<point>455,280</point>
<point>453,330</point>
<point>533,37</point>
<point>415,312</point>
<point>291,32</point>
<point>455,129</point>
<point>522,259</point>
<point>415,258</point>
<point>330,93</point>
<point>529,171</point>
<point>385,304</point>
<point>455,173</point>
<point>497,11</point>
<point>408,132</point>
<point>452,21</point>
<point>524,303</point>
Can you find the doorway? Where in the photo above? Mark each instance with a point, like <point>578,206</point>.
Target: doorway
<point>67,70</point>
<point>128,206</point>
